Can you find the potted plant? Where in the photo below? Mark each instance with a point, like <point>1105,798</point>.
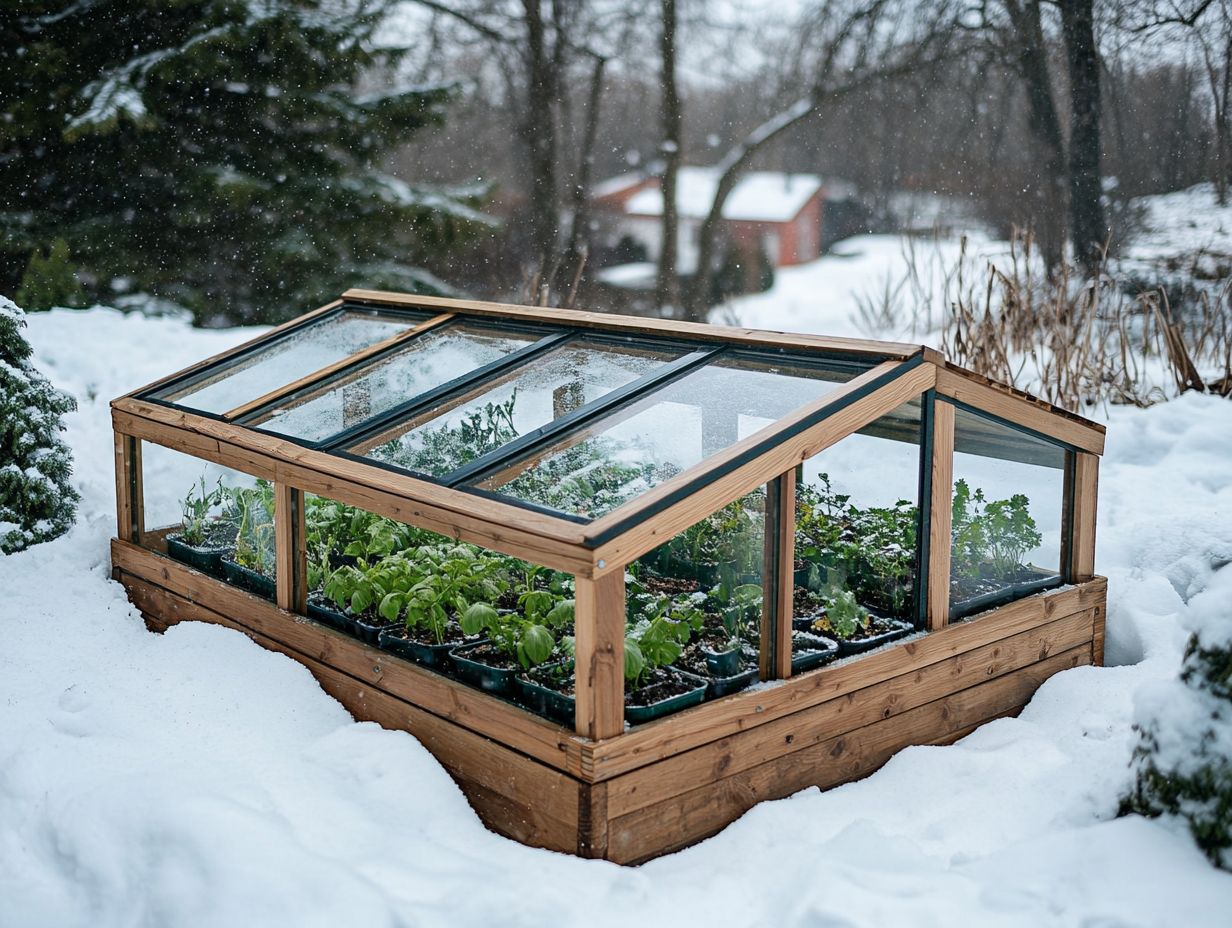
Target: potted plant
<point>250,565</point>
<point>991,541</point>
<point>820,520</point>
<point>515,641</point>
<point>653,687</point>
<point>855,628</point>
<point>203,538</point>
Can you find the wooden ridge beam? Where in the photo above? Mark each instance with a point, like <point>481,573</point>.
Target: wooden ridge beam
<point>638,325</point>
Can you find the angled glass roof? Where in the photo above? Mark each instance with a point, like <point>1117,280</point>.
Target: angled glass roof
<point>286,359</point>
<point>568,418</point>
<point>594,469</point>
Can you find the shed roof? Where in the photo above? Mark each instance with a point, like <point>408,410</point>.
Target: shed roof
<point>759,196</point>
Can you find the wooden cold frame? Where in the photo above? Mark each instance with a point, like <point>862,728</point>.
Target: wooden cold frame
<point>604,790</point>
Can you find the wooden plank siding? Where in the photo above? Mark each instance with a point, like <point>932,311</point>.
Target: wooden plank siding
<point>686,776</point>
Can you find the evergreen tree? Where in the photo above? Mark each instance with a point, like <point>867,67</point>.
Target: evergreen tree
<point>1183,763</point>
<point>214,152</point>
<point>36,501</point>
<point>50,281</point>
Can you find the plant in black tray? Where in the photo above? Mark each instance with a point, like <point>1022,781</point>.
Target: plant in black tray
<point>1011,533</point>
<point>652,686</point>
<point>991,542</point>
<point>251,564</point>
<point>884,565</point>
<point>515,641</point>
<point>854,627</point>
<point>203,537</point>
<point>738,608</point>
<point>820,518</point>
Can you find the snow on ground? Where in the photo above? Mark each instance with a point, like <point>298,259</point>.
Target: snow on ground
<point>194,779</point>
<point>1183,224</point>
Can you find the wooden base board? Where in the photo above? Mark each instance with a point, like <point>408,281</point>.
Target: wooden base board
<point>542,785</point>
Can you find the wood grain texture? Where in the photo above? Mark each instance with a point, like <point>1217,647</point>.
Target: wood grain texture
<point>883,700</point>
<point>330,369</point>
<point>670,521</point>
<point>940,515</point>
<point>639,325</point>
<point>130,518</point>
<point>509,529</point>
<point>778,573</point>
<point>501,721</point>
<point>513,795</point>
<point>690,816</point>
<point>1020,408</point>
<point>1086,498</point>
<point>647,744</point>
<point>599,656</point>
<point>290,558</point>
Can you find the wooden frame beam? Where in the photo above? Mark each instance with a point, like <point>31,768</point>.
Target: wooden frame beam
<point>778,578</point>
<point>599,656</point>
<point>290,557</point>
<point>130,501</point>
<point>637,325</point>
<point>1085,500</point>
<point>941,491</point>
<point>1009,404</point>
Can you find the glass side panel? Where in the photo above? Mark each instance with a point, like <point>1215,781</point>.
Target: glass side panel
<point>856,546</point>
<point>1009,501</point>
<point>428,360</point>
<point>499,411</point>
<point>635,448</point>
<point>287,360</point>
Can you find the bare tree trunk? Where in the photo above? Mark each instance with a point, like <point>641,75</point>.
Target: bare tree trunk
<point>576,249</point>
<point>667,289</point>
<point>1031,61</point>
<point>539,134</point>
<point>1088,227</point>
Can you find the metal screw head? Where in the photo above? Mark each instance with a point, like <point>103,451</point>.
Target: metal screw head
<point>602,563</point>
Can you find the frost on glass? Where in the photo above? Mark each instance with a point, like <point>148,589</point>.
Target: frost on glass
<point>287,360</point>
<point>518,402</point>
<point>636,448</point>
<point>856,541</point>
<point>1009,499</point>
<point>426,362</point>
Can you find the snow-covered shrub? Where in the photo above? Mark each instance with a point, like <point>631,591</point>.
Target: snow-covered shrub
<point>36,501</point>
<point>1183,762</point>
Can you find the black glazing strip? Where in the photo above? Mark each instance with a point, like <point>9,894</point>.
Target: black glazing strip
<point>924,510</point>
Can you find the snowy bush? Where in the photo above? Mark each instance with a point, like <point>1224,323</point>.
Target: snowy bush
<point>1183,762</point>
<point>36,501</point>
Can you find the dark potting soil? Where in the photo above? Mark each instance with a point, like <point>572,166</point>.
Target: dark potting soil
<point>693,659</point>
<point>558,677</point>
<point>452,634</point>
<point>805,603</point>
<point>669,585</point>
<point>964,588</point>
<point>490,656</point>
<point>660,684</point>
<point>218,534</point>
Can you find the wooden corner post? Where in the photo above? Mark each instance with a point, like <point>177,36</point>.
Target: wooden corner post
<point>290,559</point>
<point>778,568</point>
<point>130,513</point>
<point>1085,492</point>
<point>599,650</point>
<point>941,492</point>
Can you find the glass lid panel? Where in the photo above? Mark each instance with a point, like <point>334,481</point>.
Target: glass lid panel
<point>628,452</point>
<point>499,411</point>
<point>428,361</point>
<point>287,360</point>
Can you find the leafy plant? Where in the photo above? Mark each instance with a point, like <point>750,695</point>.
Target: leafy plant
<point>195,511</point>
<point>844,617</point>
<point>1012,533</point>
<point>445,448</point>
<point>252,511</point>
<point>529,637</point>
<point>739,606</point>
